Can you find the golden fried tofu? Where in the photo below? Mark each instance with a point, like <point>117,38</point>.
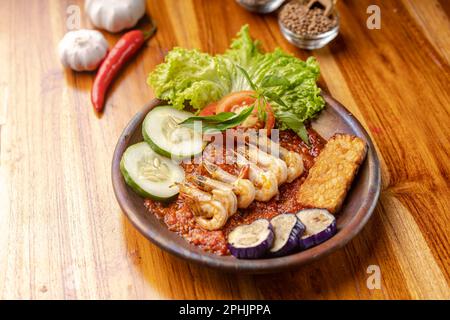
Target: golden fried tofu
<point>332,174</point>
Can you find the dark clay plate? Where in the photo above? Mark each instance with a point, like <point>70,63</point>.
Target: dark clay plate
<point>357,209</point>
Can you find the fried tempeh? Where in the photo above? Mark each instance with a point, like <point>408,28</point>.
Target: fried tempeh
<point>332,174</point>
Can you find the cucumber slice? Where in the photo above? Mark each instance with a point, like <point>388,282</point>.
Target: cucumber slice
<point>149,174</point>
<point>162,132</point>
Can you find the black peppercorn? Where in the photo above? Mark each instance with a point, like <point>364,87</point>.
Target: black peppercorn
<point>296,17</point>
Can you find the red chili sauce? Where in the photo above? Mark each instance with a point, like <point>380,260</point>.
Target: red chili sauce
<point>180,219</point>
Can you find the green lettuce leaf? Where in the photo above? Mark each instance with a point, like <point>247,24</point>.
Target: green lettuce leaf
<point>199,78</point>
<point>190,76</point>
<point>294,79</point>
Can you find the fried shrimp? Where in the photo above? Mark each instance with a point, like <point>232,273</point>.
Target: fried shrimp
<point>243,188</point>
<point>226,194</point>
<point>209,211</point>
<point>267,162</point>
<point>293,160</point>
<point>265,182</point>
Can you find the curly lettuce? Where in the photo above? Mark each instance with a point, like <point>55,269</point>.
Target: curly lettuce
<point>199,79</point>
<point>190,76</point>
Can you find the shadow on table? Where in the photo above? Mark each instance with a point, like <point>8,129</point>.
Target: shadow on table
<point>341,275</point>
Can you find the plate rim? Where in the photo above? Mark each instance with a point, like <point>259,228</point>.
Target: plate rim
<point>198,256</point>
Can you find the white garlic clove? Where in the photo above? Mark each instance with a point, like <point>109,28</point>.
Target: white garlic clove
<point>114,15</point>
<point>82,50</point>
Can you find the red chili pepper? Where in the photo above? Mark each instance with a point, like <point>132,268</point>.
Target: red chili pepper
<point>123,50</point>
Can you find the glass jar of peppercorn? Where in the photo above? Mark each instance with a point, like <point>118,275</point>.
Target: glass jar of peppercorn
<point>308,27</point>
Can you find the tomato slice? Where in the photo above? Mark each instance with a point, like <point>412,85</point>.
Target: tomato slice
<point>209,110</point>
<point>237,101</point>
<point>270,118</point>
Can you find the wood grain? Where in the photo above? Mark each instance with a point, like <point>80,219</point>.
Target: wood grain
<point>62,234</point>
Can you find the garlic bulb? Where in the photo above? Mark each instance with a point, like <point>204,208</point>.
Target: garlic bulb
<point>114,15</point>
<point>82,50</point>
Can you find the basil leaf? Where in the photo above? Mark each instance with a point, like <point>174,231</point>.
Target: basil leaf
<point>216,126</point>
<point>290,120</point>
<point>247,77</point>
<point>273,81</point>
<point>220,117</point>
<point>261,105</point>
<point>260,101</point>
<point>303,134</point>
<point>286,117</point>
<point>272,96</point>
<point>239,117</point>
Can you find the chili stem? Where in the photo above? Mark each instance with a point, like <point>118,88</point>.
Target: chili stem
<point>151,32</point>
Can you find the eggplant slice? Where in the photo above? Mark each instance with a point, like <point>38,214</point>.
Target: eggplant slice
<point>251,241</point>
<point>320,226</point>
<point>287,229</point>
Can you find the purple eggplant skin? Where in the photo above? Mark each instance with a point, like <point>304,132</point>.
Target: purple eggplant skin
<point>252,252</point>
<point>317,231</point>
<point>292,243</point>
<point>306,242</point>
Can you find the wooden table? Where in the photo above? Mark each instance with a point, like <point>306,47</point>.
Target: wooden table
<point>62,234</point>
